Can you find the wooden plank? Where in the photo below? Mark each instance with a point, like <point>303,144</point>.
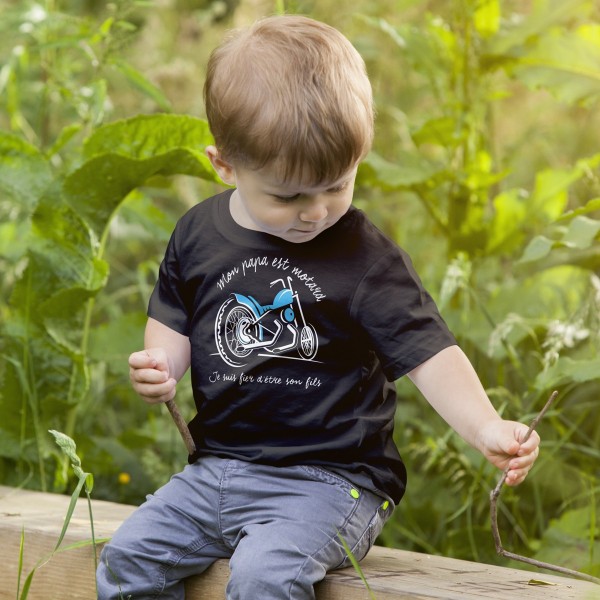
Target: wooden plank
<point>69,574</point>
<point>392,574</point>
<point>399,575</point>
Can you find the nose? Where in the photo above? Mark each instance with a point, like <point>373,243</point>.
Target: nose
<point>314,210</point>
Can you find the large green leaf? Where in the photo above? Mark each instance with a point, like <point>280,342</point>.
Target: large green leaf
<point>61,247</point>
<point>24,172</point>
<point>580,235</point>
<point>565,62</point>
<point>409,170</point>
<point>123,155</point>
<point>62,313</point>
<point>148,136</point>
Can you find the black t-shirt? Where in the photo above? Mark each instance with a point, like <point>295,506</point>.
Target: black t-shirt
<point>295,347</point>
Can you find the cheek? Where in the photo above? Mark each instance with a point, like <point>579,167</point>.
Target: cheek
<point>341,206</point>
<point>276,217</point>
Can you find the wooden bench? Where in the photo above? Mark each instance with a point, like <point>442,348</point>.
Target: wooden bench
<point>392,574</point>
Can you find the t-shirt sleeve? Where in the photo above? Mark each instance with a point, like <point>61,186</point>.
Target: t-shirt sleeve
<point>399,316</point>
<point>167,303</point>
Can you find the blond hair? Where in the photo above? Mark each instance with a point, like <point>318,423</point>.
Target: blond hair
<point>290,92</point>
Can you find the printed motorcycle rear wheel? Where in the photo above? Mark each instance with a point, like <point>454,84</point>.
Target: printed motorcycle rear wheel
<point>234,328</point>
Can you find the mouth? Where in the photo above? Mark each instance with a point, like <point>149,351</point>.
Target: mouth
<point>306,231</point>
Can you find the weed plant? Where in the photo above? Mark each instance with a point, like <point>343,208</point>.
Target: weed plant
<point>85,482</point>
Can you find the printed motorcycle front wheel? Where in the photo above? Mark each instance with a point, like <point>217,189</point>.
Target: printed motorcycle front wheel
<point>308,343</point>
<point>234,330</point>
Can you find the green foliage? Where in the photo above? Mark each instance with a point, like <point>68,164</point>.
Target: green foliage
<point>520,289</point>
<point>485,168</point>
<point>49,318</point>
<point>60,193</point>
<point>76,58</point>
<point>570,536</point>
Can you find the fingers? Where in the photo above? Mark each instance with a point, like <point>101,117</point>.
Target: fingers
<point>503,448</point>
<point>155,393</point>
<point>141,360</point>
<point>152,358</point>
<point>520,467</point>
<point>530,445</point>
<point>149,375</point>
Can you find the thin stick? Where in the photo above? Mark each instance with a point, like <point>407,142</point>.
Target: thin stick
<point>188,440</point>
<point>182,426</point>
<point>494,515</point>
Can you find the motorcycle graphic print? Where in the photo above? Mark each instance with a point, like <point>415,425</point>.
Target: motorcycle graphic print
<point>244,326</point>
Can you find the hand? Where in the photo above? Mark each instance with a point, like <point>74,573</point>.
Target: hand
<point>150,375</point>
<point>500,442</point>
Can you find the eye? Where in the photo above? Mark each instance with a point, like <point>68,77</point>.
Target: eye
<point>338,188</point>
<point>286,198</point>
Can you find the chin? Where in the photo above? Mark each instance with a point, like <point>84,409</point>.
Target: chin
<point>300,236</point>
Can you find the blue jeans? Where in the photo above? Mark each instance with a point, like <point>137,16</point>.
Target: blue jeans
<point>278,525</point>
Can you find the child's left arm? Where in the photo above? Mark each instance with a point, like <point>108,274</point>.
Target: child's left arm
<point>450,384</point>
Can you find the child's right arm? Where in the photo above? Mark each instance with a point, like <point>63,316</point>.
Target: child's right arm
<point>155,371</point>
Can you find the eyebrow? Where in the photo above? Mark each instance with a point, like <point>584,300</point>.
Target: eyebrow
<point>337,184</point>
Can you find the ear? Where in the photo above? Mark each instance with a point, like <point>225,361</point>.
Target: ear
<point>225,170</point>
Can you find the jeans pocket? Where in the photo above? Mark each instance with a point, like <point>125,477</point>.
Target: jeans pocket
<point>365,541</point>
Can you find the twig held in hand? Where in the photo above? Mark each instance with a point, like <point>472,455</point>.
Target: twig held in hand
<point>182,426</point>
<point>495,493</point>
<point>188,440</point>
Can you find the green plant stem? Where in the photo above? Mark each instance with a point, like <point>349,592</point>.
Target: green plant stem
<point>72,414</point>
<point>85,336</point>
<point>30,391</point>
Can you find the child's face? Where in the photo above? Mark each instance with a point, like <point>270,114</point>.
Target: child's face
<point>295,213</point>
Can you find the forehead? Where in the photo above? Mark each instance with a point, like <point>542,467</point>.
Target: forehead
<point>271,176</point>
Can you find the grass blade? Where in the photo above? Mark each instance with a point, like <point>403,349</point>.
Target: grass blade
<point>356,566</point>
<point>21,552</point>
<point>27,585</point>
<point>69,514</point>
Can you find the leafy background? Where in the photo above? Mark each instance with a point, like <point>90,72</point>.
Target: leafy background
<point>485,168</point>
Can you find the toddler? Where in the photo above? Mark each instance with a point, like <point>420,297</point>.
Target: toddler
<point>295,315</point>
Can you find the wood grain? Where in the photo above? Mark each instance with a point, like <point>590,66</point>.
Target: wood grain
<point>392,574</point>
